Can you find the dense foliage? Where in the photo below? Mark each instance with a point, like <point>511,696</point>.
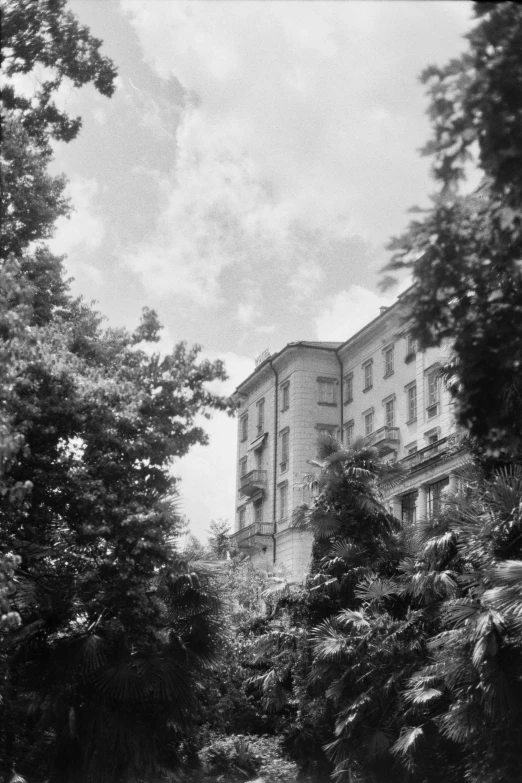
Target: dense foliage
<point>465,252</point>
<point>401,658</point>
<point>107,631</point>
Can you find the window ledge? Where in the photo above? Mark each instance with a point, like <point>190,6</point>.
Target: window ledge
<point>411,421</point>
<point>285,409</point>
<point>347,402</point>
<point>328,404</point>
<point>367,388</point>
<point>388,374</point>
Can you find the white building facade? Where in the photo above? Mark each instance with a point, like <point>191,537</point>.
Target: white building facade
<point>375,385</point>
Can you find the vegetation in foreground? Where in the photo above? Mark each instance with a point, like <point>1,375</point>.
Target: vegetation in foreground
<point>401,658</point>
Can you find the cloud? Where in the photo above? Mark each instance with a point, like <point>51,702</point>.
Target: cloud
<point>80,235</point>
<point>100,116</point>
<point>348,311</point>
<point>284,147</point>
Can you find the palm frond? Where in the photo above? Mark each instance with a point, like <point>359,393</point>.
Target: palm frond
<point>346,550</point>
<point>329,643</point>
<point>323,583</point>
<point>324,524</point>
<point>408,741</point>
<point>374,590</point>
<point>348,617</point>
<point>377,743</point>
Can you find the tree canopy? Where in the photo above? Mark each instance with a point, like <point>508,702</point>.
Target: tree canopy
<point>43,35</point>
<point>465,252</point>
<point>106,630</point>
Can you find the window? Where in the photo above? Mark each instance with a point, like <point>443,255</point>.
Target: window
<point>389,413</point>
<point>368,423</point>
<point>259,459</point>
<point>244,427</point>
<point>242,518</point>
<point>243,466</point>
<point>348,388</point>
<point>435,496</point>
<point>283,500</point>
<point>409,508</point>
<point>285,393</point>
<point>432,393</point>
<point>260,417</point>
<point>411,348</point>
<point>327,391</point>
<point>258,512</point>
<point>348,433</point>
<point>412,402</point>
<point>432,437</point>
<point>285,448</point>
<point>411,449</point>
<point>388,361</point>
<point>368,375</point>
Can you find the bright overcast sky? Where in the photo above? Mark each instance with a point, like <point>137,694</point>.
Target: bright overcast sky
<point>246,176</point>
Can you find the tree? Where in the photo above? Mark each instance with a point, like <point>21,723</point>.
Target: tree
<point>42,36</point>
<point>107,605</point>
<point>218,537</point>
<point>354,537</point>
<point>99,681</point>
<point>468,691</point>
<point>46,41</point>
<point>465,251</point>
<point>422,668</point>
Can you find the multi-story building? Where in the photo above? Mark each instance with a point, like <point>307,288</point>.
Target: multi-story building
<point>376,385</point>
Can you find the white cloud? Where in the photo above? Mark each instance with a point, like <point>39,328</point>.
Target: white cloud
<point>80,235</point>
<point>293,132</point>
<point>84,229</point>
<point>100,116</point>
<point>348,311</point>
<point>219,214</point>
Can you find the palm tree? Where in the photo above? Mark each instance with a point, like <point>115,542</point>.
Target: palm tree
<point>103,697</point>
<point>470,568</point>
<point>308,652</point>
<point>354,533</point>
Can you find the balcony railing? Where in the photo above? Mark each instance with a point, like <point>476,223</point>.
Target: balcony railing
<point>252,538</point>
<point>427,454</point>
<point>386,439</point>
<point>252,482</point>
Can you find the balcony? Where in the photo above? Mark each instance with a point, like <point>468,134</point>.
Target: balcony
<point>386,439</point>
<point>252,538</point>
<point>252,482</point>
<point>430,454</point>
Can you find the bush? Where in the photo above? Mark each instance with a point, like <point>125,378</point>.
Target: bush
<point>237,758</point>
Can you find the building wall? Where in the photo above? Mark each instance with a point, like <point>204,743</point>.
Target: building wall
<point>315,401</point>
<point>299,368</point>
<point>385,333</point>
<point>263,388</point>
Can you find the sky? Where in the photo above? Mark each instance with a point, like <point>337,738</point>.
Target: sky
<point>246,176</point>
